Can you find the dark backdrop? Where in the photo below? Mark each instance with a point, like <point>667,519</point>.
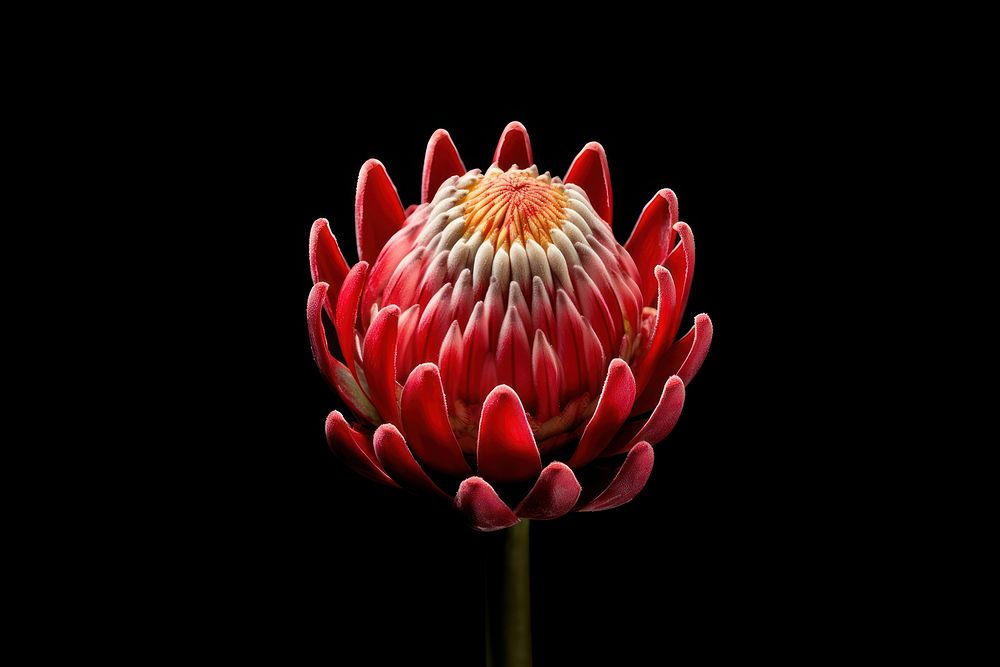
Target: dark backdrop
<point>705,558</point>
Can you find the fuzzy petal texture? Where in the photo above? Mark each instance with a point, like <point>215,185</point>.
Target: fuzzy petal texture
<point>425,421</point>
<point>482,507</point>
<point>346,314</point>
<point>650,242</point>
<point>378,213</point>
<point>326,261</point>
<point>555,493</point>
<point>397,460</point>
<point>441,161</point>
<point>590,171</point>
<point>380,363</point>
<point>628,482</point>
<point>354,449</point>
<point>612,410</point>
<point>506,449</point>
<point>514,147</point>
<point>660,423</point>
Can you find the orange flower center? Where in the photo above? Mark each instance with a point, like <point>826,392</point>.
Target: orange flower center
<point>516,205</point>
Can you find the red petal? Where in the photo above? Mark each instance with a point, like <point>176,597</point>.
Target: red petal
<point>554,494</point>
<point>317,332</point>
<point>425,421</point>
<point>628,481</point>
<point>450,360</point>
<point>652,238</point>
<point>378,213</point>
<point>346,315</point>
<point>379,357</point>
<point>661,422</point>
<point>680,263</point>
<point>354,449</point>
<point>506,449</point>
<point>398,461</point>
<point>612,410</point>
<point>326,261</point>
<point>663,331</point>
<point>545,370</point>
<point>683,359</point>
<point>514,147</point>
<point>441,161</point>
<point>482,507</point>
<point>688,354</point>
<point>590,171</point>
<point>335,372</point>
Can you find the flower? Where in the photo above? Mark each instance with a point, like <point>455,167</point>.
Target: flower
<point>496,343</point>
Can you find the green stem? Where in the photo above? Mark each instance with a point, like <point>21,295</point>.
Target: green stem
<point>508,600</point>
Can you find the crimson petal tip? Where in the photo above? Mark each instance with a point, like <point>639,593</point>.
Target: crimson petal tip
<point>482,507</point>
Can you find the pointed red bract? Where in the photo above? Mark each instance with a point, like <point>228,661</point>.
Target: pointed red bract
<point>628,481</point>
<point>482,507</point>
<point>378,213</point>
<point>612,410</point>
<point>397,460</point>
<point>379,358</point>
<point>425,422</point>
<point>354,448</point>
<point>346,314</point>
<point>506,449</point>
<point>651,240</point>
<point>441,161</point>
<point>687,355</point>
<point>514,147</point>
<point>326,261</point>
<point>590,171</point>
<point>553,495</point>
<point>680,263</point>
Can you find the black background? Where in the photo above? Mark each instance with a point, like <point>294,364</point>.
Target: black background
<point>710,555</point>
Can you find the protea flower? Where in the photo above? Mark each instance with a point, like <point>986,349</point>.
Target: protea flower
<point>498,347</point>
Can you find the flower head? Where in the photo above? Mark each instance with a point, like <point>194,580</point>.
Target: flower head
<point>495,340</point>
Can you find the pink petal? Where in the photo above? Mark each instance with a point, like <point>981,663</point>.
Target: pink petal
<point>441,161</point>
<point>651,362</point>
<point>590,171</point>
<point>545,370</point>
<point>665,415</point>
<point>514,147</point>
<point>680,263</point>
<point>379,358</point>
<point>317,332</point>
<point>651,240</point>
<point>354,449</point>
<point>335,372</point>
<point>398,461</point>
<point>346,315</point>
<point>513,357</point>
<point>554,494</point>
<point>326,261</point>
<point>433,326</point>
<point>688,354</point>
<point>612,410</point>
<point>480,365</point>
<point>506,449</point>
<point>628,481</point>
<point>398,247</point>
<point>450,360</point>
<point>378,213</point>
<point>482,507</point>
<point>425,421</point>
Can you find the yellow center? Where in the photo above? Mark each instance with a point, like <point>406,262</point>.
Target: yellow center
<point>515,205</point>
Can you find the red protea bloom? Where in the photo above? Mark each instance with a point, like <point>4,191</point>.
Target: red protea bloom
<point>496,338</point>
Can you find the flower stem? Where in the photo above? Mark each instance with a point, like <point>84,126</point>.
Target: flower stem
<point>508,600</point>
